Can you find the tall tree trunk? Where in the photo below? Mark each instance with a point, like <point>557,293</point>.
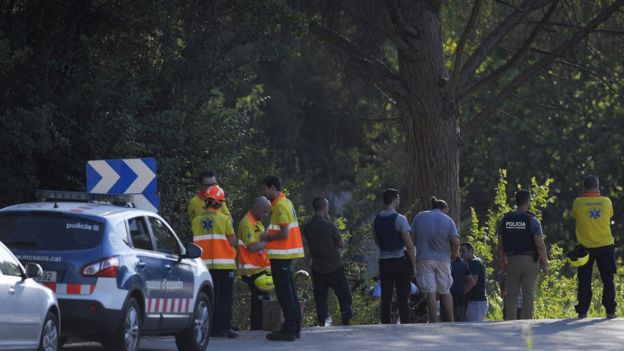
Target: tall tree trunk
<point>429,118</point>
<point>433,159</point>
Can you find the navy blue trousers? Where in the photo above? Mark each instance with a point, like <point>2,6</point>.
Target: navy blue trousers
<point>223,280</point>
<point>605,260</point>
<point>286,295</point>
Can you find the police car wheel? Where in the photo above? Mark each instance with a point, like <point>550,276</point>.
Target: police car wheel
<point>50,334</point>
<point>128,334</point>
<point>195,338</point>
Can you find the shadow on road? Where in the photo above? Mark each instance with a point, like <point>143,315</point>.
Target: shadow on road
<point>567,325</point>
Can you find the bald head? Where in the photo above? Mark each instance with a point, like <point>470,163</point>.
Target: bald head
<point>260,207</point>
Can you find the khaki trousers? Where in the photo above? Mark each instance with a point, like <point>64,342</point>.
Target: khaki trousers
<point>522,273</point>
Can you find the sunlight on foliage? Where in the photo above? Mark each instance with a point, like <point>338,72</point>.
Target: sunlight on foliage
<point>556,292</point>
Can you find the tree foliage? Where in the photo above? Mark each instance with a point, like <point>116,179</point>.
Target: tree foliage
<point>108,79</point>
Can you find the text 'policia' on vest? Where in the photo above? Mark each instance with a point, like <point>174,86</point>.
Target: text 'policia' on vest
<point>517,236</point>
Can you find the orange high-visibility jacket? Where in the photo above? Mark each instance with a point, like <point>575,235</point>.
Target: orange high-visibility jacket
<point>249,231</point>
<point>210,231</point>
<point>283,214</point>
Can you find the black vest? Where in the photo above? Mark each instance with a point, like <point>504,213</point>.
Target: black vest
<point>388,237</point>
<point>517,236</point>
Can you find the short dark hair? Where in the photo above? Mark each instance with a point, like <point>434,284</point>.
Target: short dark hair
<point>590,182</point>
<point>389,195</point>
<point>205,174</point>
<point>319,203</point>
<point>467,245</point>
<point>522,197</point>
<point>438,203</point>
<point>270,181</point>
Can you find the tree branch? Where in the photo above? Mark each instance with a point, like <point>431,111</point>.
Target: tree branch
<point>401,44</point>
<point>397,17</point>
<point>370,68</point>
<point>380,119</point>
<point>499,72</point>
<point>532,103</point>
<point>468,30</point>
<point>574,26</point>
<point>504,3</point>
<point>492,39</point>
<point>592,73</point>
<point>400,27</point>
<point>544,52</point>
<point>544,62</point>
<point>508,114</point>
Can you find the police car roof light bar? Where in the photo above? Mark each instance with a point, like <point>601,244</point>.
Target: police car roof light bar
<point>81,196</point>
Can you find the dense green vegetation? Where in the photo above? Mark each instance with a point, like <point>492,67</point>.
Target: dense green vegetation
<point>246,89</point>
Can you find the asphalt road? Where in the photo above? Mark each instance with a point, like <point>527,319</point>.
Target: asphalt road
<point>555,334</point>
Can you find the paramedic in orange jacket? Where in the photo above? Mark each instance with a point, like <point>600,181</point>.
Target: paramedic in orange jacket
<point>253,262</point>
<point>214,233</point>
<point>284,244</point>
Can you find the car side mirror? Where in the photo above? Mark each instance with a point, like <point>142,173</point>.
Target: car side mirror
<point>33,270</point>
<point>192,251</point>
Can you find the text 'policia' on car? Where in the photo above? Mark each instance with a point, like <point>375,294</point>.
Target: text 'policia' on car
<point>118,272</point>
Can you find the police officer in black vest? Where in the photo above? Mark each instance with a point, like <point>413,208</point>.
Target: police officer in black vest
<point>392,234</point>
<point>521,248</point>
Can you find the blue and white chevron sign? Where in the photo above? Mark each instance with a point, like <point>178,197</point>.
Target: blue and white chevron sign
<point>135,176</point>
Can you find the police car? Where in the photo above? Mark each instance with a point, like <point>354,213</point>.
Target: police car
<point>118,272</point>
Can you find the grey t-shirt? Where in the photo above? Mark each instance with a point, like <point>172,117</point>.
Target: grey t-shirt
<point>433,231</point>
<point>401,225</point>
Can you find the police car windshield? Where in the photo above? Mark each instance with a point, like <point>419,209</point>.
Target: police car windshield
<point>49,232</point>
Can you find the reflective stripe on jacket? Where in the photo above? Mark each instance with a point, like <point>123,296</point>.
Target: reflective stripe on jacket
<point>210,231</point>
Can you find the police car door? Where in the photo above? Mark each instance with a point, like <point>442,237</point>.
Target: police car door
<point>178,283</point>
<point>149,268</point>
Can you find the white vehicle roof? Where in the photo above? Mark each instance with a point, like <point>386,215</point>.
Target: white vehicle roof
<point>79,208</point>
